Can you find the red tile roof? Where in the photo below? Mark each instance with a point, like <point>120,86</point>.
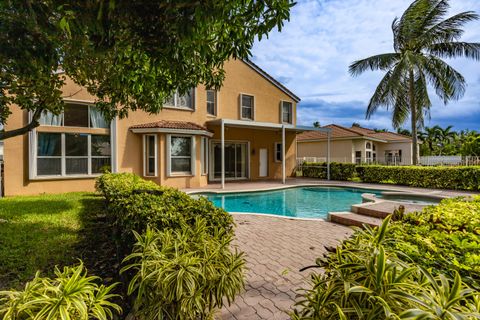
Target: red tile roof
<point>353,132</point>
<point>164,124</point>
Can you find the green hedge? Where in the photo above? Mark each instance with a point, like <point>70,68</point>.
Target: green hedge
<point>179,260</point>
<point>445,237</point>
<point>338,171</point>
<point>134,203</point>
<point>461,178</point>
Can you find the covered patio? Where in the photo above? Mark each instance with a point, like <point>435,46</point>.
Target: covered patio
<point>284,129</point>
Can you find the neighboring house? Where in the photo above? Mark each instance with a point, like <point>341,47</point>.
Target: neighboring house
<point>356,145</point>
<point>180,147</point>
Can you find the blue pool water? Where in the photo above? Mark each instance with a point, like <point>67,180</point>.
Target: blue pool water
<point>301,202</point>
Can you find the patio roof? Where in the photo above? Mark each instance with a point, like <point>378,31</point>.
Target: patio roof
<point>264,125</point>
<point>172,127</point>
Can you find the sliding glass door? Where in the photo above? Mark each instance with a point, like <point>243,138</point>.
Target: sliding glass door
<point>235,160</point>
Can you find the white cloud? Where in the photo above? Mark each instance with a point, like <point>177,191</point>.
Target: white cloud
<point>315,48</point>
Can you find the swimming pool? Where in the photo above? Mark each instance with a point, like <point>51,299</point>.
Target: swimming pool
<point>300,202</point>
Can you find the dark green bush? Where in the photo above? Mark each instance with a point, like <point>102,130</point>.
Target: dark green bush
<point>445,238</point>
<point>185,272</point>
<point>134,203</point>
<point>182,266</point>
<point>366,278</point>
<point>461,178</point>
<point>338,171</point>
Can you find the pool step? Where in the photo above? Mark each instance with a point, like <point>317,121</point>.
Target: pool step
<point>383,209</point>
<point>354,219</point>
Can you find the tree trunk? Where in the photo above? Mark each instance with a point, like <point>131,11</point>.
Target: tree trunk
<point>21,131</point>
<point>413,112</point>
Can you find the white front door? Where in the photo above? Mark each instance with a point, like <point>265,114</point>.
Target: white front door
<point>263,163</point>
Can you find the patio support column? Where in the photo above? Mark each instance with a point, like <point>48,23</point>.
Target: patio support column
<point>222,134</point>
<point>328,154</point>
<point>283,154</point>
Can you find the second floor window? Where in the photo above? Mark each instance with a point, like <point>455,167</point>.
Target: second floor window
<point>247,107</point>
<point>185,101</point>
<point>287,112</point>
<point>75,115</point>
<point>212,102</point>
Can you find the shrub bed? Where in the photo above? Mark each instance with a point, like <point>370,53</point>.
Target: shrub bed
<point>403,269</point>
<point>445,238</point>
<point>338,171</point>
<point>179,262</point>
<point>367,278</point>
<point>461,178</point>
<point>134,203</point>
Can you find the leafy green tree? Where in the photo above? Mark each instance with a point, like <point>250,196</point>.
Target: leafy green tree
<point>316,124</point>
<point>422,37</point>
<point>130,54</point>
<point>403,131</point>
<point>430,137</point>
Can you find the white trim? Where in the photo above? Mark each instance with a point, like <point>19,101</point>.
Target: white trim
<point>146,155</point>
<point>281,111</point>
<point>204,154</point>
<point>113,146</point>
<point>33,157</point>
<point>241,106</point>
<point>173,131</point>
<point>193,156</point>
<point>175,102</point>
<point>215,102</point>
<point>254,124</point>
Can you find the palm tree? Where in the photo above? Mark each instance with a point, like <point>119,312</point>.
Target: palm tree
<point>430,137</point>
<point>421,38</point>
<point>446,137</point>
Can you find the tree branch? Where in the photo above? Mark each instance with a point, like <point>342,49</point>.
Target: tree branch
<point>20,131</point>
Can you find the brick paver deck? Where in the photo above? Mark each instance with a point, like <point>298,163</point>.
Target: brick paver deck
<point>276,249</point>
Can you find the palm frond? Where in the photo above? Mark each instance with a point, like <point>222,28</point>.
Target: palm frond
<point>388,90</point>
<point>378,62</point>
<point>448,83</point>
<point>455,50</point>
<point>448,30</point>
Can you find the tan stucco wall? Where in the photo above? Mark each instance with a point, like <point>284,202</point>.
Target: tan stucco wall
<point>240,78</point>
<point>344,150</point>
<point>340,150</point>
<point>406,148</point>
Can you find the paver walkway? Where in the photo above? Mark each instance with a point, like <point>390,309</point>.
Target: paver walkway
<point>276,249</point>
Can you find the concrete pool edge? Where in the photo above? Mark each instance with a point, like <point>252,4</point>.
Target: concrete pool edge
<point>282,187</point>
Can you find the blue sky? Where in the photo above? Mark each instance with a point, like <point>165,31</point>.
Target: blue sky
<point>312,54</point>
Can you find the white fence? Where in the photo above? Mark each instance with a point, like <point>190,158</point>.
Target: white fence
<point>398,161</point>
<point>450,161</point>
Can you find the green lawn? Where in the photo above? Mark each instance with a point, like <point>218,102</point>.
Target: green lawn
<point>39,232</point>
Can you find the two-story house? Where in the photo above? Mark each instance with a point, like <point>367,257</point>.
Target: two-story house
<point>250,123</point>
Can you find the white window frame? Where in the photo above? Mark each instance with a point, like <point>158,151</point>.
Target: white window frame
<point>215,102</point>
<point>241,106</point>
<point>175,101</point>
<point>192,156</point>
<point>33,145</point>
<point>204,155</point>
<point>275,153</point>
<point>62,116</point>
<point>146,155</point>
<point>290,112</point>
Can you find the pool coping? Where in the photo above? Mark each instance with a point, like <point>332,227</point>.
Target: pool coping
<point>274,188</point>
<point>391,190</point>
